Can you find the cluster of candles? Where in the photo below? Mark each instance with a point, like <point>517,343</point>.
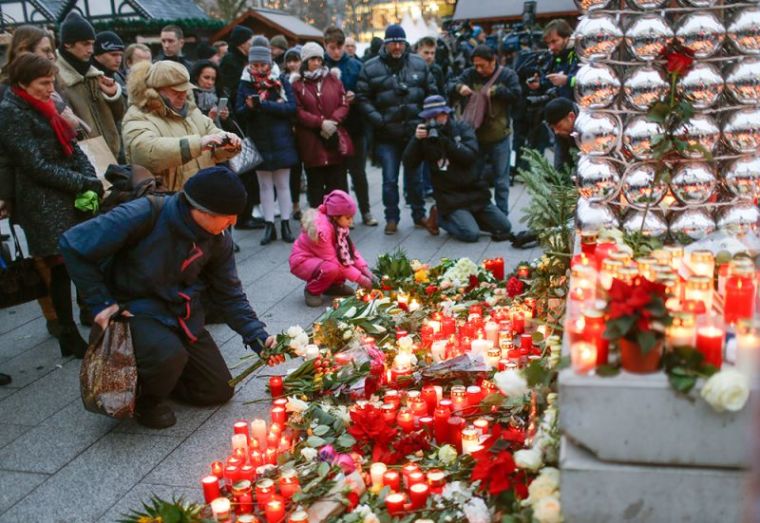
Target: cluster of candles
<point>705,309</point>
<point>410,486</point>
<point>233,484</point>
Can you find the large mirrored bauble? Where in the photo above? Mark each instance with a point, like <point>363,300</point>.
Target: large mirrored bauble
<point>639,186</point>
<point>594,216</point>
<point>693,182</point>
<point>638,136</point>
<point>702,85</point>
<point>694,223</point>
<point>596,133</point>
<point>700,132</point>
<point>741,132</point>
<point>743,81</point>
<point>743,177</point>
<point>744,30</point>
<point>702,33</point>
<point>740,217</point>
<point>644,86</point>
<point>598,178</point>
<point>646,4</point>
<point>648,36</point>
<point>597,36</point>
<point>697,3</point>
<point>591,5</point>
<point>654,224</point>
<point>596,86</point>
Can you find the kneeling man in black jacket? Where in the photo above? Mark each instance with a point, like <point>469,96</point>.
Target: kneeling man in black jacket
<point>463,200</point>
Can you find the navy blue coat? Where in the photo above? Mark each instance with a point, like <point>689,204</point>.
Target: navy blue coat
<point>270,126</point>
<point>159,275</point>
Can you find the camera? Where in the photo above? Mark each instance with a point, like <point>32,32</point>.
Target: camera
<point>432,127</point>
<point>255,98</point>
<point>226,140</point>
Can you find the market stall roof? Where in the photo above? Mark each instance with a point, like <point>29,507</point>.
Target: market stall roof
<point>270,22</point>
<point>511,9</point>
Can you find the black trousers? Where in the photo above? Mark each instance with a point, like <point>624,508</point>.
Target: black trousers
<point>322,180</point>
<point>295,183</point>
<point>357,169</point>
<point>169,365</point>
<point>251,183</point>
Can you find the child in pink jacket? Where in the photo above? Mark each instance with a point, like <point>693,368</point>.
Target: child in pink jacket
<point>324,256</point>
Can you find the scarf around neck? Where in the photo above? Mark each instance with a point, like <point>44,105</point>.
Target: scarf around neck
<point>78,65</point>
<point>317,74</point>
<point>344,246</point>
<point>179,112</point>
<point>63,130</point>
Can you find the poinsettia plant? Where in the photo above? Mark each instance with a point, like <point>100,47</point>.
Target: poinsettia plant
<point>637,313</point>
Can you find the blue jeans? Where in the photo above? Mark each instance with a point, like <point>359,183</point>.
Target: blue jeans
<point>499,155</point>
<point>466,226</point>
<point>389,155</point>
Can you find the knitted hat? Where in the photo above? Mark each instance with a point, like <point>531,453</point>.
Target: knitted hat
<point>260,52</point>
<point>280,42</point>
<point>312,50</point>
<point>107,42</point>
<point>76,29</point>
<point>240,34</point>
<point>557,109</point>
<point>395,33</point>
<point>296,50</point>
<point>216,190</point>
<point>337,203</point>
<point>167,73</point>
<point>433,106</point>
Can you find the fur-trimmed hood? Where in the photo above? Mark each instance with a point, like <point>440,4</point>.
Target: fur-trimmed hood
<point>294,77</point>
<point>310,223</point>
<point>146,98</point>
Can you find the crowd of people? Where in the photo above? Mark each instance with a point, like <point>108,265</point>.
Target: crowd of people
<point>316,114</point>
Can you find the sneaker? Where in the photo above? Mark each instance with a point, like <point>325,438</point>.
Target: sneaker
<point>340,290</point>
<point>369,220</point>
<point>391,228</point>
<point>159,416</point>
<point>312,300</point>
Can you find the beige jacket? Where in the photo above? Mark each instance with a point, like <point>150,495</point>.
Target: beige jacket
<point>98,111</point>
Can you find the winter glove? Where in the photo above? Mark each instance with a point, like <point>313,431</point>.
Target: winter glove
<point>87,201</point>
<point>257,341</point>
<point>94,185</point>
<point>328,128</point>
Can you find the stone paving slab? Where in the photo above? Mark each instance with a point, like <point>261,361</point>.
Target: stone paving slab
<point>142,492</point>
<point>13,487</point>
<point>10,431</point>
<point>23,338</point>
<point>34,363</point>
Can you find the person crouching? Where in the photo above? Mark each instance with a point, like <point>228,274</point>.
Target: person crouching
<point>324,256</point>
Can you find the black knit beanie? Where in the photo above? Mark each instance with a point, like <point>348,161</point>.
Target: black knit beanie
<point>76,29</point>
<point>240,34</point>
<point>216,190</point>
<point>557,109</point>
<point>107,42</point>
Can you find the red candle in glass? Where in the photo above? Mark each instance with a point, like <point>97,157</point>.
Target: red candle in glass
<point>448,326</point>
<point>289,485</point>
<point>395,503</point>
<point>254,458</point>
<point>431,397</point>
<point>271,457</point>
<point>418,493</point>
<point>231,474</point>
<point>408,469</point>
<point>710,343</point>
<point>456,424</point>
<point>426,423</point>
<point>405,420</point>
<point>275,386</point>
<point>415,477</point>
<point>740,298</point>
<point>244,503</point>
<point>518,322</point>
<point>389,413</point>
<point>241,427</point>
<point>393,397</point>
<point>275,510</point>
<point>474,397</point>
<point>217,469</point>
<point>426,334</point>
<point>441,424</point>
<point>211,489</point>
<point>419,407</point>
<point>279,415</point>
<point>248,472</point>
<point>436,480</point>
<point>392,480</point>
<point>593,332</point>
<point>264,492</point>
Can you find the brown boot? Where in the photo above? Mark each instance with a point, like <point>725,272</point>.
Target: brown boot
<point>431,224</point>
<point>312,300</point>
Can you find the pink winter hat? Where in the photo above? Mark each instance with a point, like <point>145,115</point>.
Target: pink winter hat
<point>338,203</point>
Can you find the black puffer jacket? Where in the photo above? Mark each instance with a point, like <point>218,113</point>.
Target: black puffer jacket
<point>46,181</point>
<point>456,184</point>
<point>390,94</point>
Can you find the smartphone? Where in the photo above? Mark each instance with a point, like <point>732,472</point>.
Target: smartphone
<point>222,104</point>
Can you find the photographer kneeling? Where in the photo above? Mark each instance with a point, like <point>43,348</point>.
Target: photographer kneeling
<point>463,200</point>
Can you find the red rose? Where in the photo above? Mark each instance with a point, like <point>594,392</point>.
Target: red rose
<point>430,289</point>
<point>678,63</point>
<point>515,287</point>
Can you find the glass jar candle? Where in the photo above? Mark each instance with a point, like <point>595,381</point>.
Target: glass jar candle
<point>711,335</point>
<point>593,332</point>
<point>702,263</point>
<point>741,288</point>
<point>608,271</point>
<point>644,265</point>
<point>700,289</point>
<point>676,255</point>
<point>747,346</point>
<point>682,332</point>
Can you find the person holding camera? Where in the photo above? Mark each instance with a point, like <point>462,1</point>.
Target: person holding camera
<point>391,90</point>
<point>463,201</point>
<point>558,74</point>
<point>488,91</point>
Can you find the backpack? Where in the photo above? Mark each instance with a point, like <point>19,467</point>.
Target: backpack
<point>128,184</point>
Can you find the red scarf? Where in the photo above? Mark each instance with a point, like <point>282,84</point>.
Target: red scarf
<point>63,130</point>
<point>265,83</point>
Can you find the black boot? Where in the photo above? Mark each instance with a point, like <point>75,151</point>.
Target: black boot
<point>154,415</point>
<point>270,234</point>
<point>287,236</point>
<point>71,342</point>
<point>5,379</point>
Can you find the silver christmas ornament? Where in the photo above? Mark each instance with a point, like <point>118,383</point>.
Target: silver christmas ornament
<point>741,131</point>
<point>647,4</point>
<point>596,133</point>
<point>698,3</point>
<point>598,178</point>
<point>742,177</point>
<point>744,30</point>
<point>592,216</point>
<point>644,86</point>
<point>591,5</point>
<point>648,36</point>
<point>654,224</point>
<point>694,223</point>
<point>639,186</point>
<point>702,85</point>
<point>693,182</point>
<point>702,33</point>
<point>597,36</point>
<point>740,217</point>
<point>743,81</point>
<point>700,132</point>
<point>596,86</point>
<point>638,135</point>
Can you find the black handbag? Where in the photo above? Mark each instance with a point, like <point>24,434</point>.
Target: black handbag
<point>20,281</point>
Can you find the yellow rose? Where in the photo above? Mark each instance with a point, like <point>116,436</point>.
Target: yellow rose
<point>421,276</point>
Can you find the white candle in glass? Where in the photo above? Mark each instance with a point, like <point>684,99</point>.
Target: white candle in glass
<point>747,346</point>
<point>376,471</point>
<point>239,441</point>
<point>480,346</point>
<point>259,432</point>
<point>438,350</point>
<point>492,332</point>
<point>583,357</point>
<point>220,508</point>
<point>470,440</point>
<point>435,325</point>
<point>702,263</point>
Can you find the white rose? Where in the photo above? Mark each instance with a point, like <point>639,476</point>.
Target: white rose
<point>547,510</point>
<point>302,339</point>
<point>529,459</point>
<point>347,335</point>
<point>309,454</point>
<point>296,405</point>
<point>294,331</point>
<point>511,383</point>
<point>310,352</point>
<point>416,265</point>
<point>541,487</point>
<point>726,390</point>
<point>476,511</point>
<point>405,343</point>
<point>447,454</point>
<point>371,518</point>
